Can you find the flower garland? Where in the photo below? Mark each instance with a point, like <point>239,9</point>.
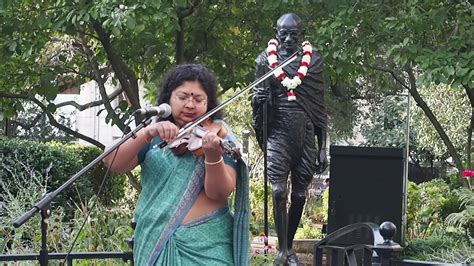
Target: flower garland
<point>289,83</point>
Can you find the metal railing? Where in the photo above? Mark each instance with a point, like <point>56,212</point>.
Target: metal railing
<point>382,251</point>
<point>125,256</point>
<point>337,254</point>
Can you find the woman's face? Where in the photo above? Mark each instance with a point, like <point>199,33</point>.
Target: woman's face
<point>188,102</point>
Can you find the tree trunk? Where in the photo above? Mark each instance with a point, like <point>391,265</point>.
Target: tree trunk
<point>9,128</point>
<point>180,42</point>
<point>426,109</point>
<point>125,75</point>
<point>182,13</point>
<point>470,96</point>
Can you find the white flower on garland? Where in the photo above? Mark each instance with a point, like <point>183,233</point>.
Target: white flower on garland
<point>289,83</point>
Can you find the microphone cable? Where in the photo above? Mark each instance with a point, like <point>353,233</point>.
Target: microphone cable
<point>104,180</point>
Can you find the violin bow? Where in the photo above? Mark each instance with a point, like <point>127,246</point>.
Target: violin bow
<point>187,128</point>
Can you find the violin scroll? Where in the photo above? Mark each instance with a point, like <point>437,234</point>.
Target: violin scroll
<point>231,149</point>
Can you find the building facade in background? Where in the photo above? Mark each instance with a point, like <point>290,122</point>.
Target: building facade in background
<point>91,122</point>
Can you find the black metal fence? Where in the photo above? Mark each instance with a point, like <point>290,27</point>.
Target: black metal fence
<point>125,256</point>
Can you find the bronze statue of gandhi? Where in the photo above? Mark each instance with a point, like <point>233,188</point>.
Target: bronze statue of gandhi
<point>297,116</point>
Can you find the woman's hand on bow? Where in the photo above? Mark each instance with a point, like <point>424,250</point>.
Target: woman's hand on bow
<point>166,130</point>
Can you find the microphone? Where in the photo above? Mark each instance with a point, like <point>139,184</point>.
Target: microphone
<point>163,110</point>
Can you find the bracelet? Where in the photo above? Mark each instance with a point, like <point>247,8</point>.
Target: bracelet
<point>213,163</point>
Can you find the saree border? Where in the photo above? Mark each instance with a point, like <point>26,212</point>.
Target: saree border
<point>189,197</point>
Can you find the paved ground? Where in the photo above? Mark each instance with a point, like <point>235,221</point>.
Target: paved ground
<point>258,250</point>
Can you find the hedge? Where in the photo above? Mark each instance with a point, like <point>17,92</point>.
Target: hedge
<point>59,162</point>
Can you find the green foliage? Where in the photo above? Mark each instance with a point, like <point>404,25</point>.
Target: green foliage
<point>111,222</point>
<point>224,36</point>
<point>424,205</point>
<point>463,217</point>
<point>366,45</point>
<point>343,114</point>
<point>315,214</point>
<point>266,259</point>
<point>19,192</point>
<point>257,205</point>
<point>105,229</point>
<point>432,205</point>
<point>373,48</point>
<point>308,230</point>
<point>238,114</point>
<point>114,185</point>
<point>59,162</point>
<point>435,35</point>
<point>317,208</point>
<point>452,204</point>
<point>451,109</point>
<point>387,126</point>
<point>429,237</point>
<point>454,181</point>
<point>42,131</point>
<point>54,161</point>
<point>443,246</point>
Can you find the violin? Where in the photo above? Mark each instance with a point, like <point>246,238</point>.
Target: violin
<point>192,141</point>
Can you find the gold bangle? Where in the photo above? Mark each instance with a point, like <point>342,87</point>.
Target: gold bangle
<point>213,163</point>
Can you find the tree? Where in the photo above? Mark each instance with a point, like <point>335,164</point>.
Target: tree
<point>51,46</point>
<point>371,48</point>
<point>34,125</point>
<point>390,46</point>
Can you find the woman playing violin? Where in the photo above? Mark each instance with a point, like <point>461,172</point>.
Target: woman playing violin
<point>182,214</point>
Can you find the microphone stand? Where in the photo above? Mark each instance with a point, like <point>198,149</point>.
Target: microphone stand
<point>42,205</point>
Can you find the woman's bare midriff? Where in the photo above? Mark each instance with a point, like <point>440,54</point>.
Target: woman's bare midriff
<point>203,206</point>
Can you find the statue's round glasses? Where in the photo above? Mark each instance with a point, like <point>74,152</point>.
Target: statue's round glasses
<point>196,100</point>
<point>285,32</point>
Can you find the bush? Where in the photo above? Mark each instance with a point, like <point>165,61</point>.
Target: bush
<point>308,230</point>
<point>315,213</point>
<point>463,217</point>
<point>451,204</point>
<point>436,229</point>
<point>256,198</point>
<point>59,162</point>
<point>19,192</point>
<point>316,208</point>
<point>114,185</point>
<point>424,207</point>
<point>104,230</point>
<point>443,246</point>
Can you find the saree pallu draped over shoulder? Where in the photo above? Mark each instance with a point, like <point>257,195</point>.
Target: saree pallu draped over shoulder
<point>170,186</point>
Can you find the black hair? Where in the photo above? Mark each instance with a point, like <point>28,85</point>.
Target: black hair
<point>191,72</point>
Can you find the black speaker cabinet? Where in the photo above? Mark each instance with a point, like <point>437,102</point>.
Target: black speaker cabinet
<point>366,184</point>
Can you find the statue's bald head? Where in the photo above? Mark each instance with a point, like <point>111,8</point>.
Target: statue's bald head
<point>290,20</point>
<point>289,31</point>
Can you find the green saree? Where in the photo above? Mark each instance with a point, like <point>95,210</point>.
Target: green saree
<point>170,185</point>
